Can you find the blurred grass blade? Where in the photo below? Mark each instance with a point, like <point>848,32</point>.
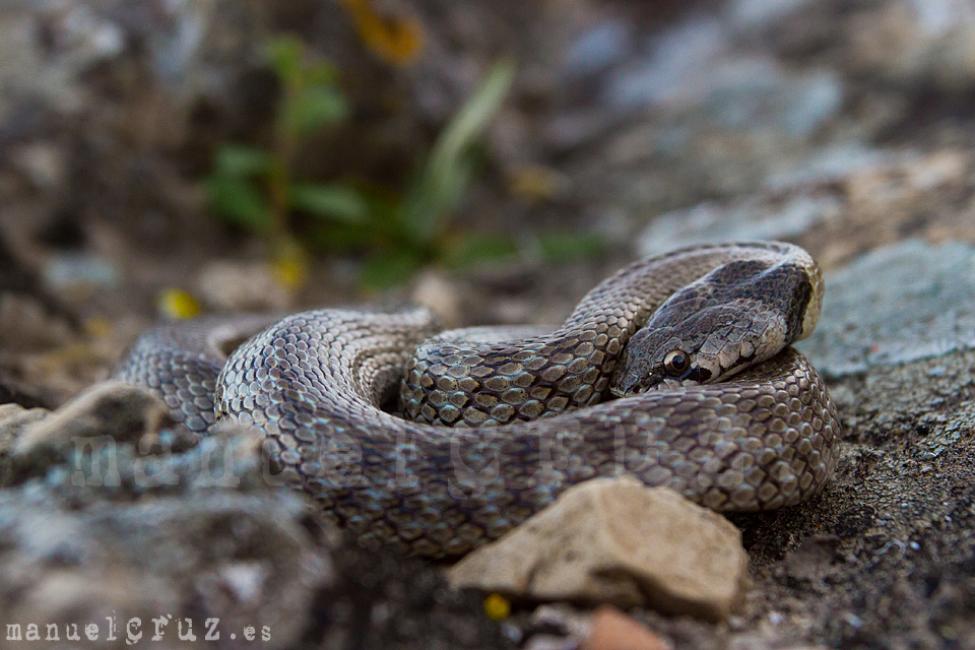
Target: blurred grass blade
<point>336,202</point>
<point>240,160</point>
<point>443,179</point>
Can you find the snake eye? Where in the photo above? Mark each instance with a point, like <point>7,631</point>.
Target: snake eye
<point>676,362</point>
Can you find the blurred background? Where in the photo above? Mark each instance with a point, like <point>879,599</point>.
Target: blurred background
<point>494,160</point>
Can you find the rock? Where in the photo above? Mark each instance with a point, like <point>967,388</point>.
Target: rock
<point>756,217</point>
<point>14,419</point>
<point>80,274</point>
<point>832,164</point>
<point>617,541</point>
<point>557,626</point>
<point>242,286</point>
<point>246,559</point>
<point>614,630</point>
<point>202,534</point>
<point>909,41</point>
<point>121,411</point>
<point>92,423</point>
<point>563,618</point>
<point>550,642</point>
<point>440,295</point>
<point>43,163</point>
<point>880,310</point>
<point>837,203</point>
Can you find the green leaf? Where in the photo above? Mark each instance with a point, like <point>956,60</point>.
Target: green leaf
<point>238,201</point>
<point>337,202</point>
<point>240,160</point>
<point>445,176</point>
<point>285,54</point>
<point>313,108</point>
<point>320,73</point>
<point>474,248</point>
<point>568,246</point>
<point>338,237</point>
<point>382,271</point>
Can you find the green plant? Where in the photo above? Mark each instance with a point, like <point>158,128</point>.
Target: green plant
<point>259,189</point>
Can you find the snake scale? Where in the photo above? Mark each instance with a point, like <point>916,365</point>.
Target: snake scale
<point>693,344</point>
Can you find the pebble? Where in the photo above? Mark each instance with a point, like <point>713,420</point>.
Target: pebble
<point>614,630</point>
<point>441,296</point>
<point>14,420</point>
<point>617,541</point>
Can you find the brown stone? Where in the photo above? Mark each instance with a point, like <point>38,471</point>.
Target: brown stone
<point>613,630</point>
<point>617,541</point>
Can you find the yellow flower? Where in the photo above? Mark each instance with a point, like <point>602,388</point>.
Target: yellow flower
<point>397,40</point>
<point>290,268</point>
<point>179,304</point>
<point>497,607</point>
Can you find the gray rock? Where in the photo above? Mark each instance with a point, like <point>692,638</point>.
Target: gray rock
<point>14,419</point>
<point>121,411</point>
<point>760,217</point>
<point>243,558</point>
<point>107,529</point>
<point>900,303</point>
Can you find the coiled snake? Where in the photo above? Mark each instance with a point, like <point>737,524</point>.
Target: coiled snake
<point>531,416</point>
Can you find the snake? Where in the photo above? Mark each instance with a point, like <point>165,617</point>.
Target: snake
<point>677,370</point>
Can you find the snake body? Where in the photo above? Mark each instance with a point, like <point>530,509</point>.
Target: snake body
<point>530,416</point>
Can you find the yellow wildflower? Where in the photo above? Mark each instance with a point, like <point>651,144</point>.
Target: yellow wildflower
<point>178,304</point>
<point>497,607</point>
<point>397,40</point>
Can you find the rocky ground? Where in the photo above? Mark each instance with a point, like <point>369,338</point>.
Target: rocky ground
<point>845,127</point>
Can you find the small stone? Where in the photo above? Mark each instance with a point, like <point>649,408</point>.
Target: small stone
<point>237,286</point>
<point>614,630</point>
<point>117,410</point>
<point>14,419</point>
<point>617,541</point>
<point>440,295</point>
<point>562,619</point>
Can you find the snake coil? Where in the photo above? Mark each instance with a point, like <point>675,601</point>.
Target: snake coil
<point>743,422</point>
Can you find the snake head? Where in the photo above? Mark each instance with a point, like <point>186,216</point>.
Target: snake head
<point>713,329</point>
<point>710,346</point>
<point>655,358</point>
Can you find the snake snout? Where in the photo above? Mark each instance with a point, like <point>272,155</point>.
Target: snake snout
<point>634,383</point>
